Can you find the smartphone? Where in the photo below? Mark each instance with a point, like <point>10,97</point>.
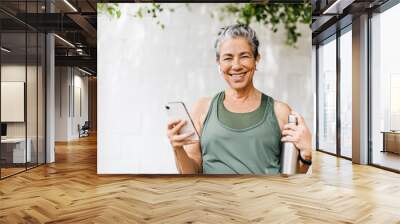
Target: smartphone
<point>178,110</point>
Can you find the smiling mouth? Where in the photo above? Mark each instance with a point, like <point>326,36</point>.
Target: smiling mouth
<point>238,77</point>
<point>238,74</point>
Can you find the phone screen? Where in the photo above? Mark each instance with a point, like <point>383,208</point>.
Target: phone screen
<point>178,110</point>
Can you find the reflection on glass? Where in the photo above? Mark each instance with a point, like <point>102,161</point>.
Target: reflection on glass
<point>22,91</point>
<point>327,96</point>
<point>31,101</point>
<point>13,85</point>
<point>345,94</point>
<point>386,89</point>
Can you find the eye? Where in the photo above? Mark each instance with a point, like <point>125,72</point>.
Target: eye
<point>245,56</point>
<point>227,59</point>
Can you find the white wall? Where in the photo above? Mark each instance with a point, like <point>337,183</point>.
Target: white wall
<point>62,81</point>
<point>18,73</point>
<point>141,67</point>
<point>81,82</point>
<point>68,81</point>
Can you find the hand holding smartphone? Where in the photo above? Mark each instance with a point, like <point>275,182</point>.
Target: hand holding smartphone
<point>178,111</point>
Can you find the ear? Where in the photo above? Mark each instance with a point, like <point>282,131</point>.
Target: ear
<point>219,70</point>
<point>258,58</point>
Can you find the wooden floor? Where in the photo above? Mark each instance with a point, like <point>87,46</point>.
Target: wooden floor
<point>10,171</point>
<point>388,159</point>
<point>70,191</point>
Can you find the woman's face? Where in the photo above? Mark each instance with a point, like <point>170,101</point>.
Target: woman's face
<point>237,62</point>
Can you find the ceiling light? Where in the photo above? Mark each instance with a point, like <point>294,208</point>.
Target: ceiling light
<point>338,6</point>
<point>70,5</point>
<point>84,71</point>
<point>5,50</point>
<point>64,40</point>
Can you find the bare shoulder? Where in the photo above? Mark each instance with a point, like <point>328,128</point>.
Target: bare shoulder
<point>282,111</point>
<point>200,109</point>
<point>201,105</point>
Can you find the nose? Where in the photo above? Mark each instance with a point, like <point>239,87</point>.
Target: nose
<point>236,64</point>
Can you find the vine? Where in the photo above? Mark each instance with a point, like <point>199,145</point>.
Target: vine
<point>271,15</point>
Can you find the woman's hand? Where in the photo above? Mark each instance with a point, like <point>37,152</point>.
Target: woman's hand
<point>178,140</point>
<point>299,135</point>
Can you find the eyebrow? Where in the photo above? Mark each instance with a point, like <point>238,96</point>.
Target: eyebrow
<point>230,55</point>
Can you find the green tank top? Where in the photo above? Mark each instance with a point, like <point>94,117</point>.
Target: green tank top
<point>240,120</point>
<point>251,150</point>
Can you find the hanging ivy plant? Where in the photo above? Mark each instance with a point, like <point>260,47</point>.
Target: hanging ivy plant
<point>271,15</point>
<point>111,9</point>
<point>152,11</point>
<point>290,15</point>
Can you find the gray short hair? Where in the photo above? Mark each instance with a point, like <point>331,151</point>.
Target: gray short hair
<point>234,31</point>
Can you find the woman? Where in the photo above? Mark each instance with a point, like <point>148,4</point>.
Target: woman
<point>241,128</point>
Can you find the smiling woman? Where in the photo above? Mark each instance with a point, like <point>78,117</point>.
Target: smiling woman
<point>238,62</point>
<point>241,127</point>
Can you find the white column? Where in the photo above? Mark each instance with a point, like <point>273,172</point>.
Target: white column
<point>360,90</point>
<point>50,100</point>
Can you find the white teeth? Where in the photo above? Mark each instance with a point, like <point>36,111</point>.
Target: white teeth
<point>238,77</point>
<point>238,74</point>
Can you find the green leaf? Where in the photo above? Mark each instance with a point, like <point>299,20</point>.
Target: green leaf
<point>289,15</point>
<point>140,13</point>
<point>110,10</point>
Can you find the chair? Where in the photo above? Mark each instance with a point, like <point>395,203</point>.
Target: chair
<point>84,130</point>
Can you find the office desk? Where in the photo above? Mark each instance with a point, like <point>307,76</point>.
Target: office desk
<point>13,150</point>
<point>391,141</point>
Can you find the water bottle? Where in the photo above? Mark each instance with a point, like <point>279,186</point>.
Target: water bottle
<point>289,154</point>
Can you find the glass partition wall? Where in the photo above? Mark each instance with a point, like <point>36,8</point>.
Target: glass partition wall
<point>345,61</point>
<point>22,88</point>
<point>13,110</point>
<point>385,89</point>
<point>327,95</point>
<point>334,90</point>
<point>334,94</point>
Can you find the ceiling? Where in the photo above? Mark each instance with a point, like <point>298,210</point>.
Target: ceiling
<point>328,16</point>
<point>74,22</point>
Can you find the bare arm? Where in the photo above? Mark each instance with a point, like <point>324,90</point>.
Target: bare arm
<point>300,135</point>
<point>188,157</point>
